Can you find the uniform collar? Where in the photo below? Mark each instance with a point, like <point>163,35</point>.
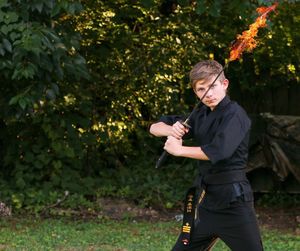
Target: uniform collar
<point>223,103</point>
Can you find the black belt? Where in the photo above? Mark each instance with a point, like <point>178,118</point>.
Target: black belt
<point>224,177</point>
<point>195,195</point>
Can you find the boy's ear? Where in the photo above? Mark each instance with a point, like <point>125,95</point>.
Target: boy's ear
<point>226,83</point>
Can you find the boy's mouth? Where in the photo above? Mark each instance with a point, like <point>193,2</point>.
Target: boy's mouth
<point>210,101</point>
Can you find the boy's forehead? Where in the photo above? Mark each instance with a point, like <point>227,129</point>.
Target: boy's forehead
<point>201,82</point>
<point>204,82</point>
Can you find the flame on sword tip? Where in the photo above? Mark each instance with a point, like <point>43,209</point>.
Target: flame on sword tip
<point>246,41</point>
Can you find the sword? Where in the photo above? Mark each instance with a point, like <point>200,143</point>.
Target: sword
<point>244,42</point>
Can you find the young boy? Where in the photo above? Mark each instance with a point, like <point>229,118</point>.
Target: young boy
<point>220,129</point>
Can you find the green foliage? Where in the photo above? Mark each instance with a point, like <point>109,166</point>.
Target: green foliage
<point>38,50</point>
<point>277,199</point>
<point>81,83</point>
<point>44,135</point>
<point>160,188</point>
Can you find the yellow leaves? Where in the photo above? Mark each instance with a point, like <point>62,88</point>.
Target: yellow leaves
<point>291,68</point>
<point>154,17</point>
<point>115,130</point>
<point>178,41</point>
<point>69,99</point>
<point>118,124</point>
<point>108,13</point>
<point>81,130</point>
<point>163,77</point>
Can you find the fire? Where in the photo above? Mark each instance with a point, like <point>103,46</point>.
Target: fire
<point>247,41</point>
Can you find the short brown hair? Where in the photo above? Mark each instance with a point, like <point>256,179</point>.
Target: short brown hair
<point>205,70</point>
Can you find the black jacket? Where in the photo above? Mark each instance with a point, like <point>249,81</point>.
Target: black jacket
<point>223,135</point>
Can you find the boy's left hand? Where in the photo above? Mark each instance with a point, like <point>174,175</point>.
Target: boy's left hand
<point>173,146</point>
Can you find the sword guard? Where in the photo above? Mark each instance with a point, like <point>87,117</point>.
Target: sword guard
<point>185,124</point>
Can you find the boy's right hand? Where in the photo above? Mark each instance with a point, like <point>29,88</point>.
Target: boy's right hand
<point>178,130</point>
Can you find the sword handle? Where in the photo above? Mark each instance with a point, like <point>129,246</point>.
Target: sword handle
<point>185,123</point>
<point>161,159</point>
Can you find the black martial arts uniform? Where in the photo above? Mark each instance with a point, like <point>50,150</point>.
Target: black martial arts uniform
<point>226,211</point>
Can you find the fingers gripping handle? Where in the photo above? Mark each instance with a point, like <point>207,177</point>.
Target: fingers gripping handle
<point>165,154</point>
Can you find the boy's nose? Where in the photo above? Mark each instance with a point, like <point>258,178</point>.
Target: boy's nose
<point>209,93</point>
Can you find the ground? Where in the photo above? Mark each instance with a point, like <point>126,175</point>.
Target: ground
<point>283,219</point>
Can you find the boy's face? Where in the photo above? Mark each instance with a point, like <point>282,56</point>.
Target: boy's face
<point>215,94</point>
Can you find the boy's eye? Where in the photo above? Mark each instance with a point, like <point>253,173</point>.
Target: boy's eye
<point>201,89</point>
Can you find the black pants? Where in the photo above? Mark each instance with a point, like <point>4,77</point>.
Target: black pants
<point>236,226</point>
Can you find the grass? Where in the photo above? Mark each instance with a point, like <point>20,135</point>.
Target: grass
<point>64,234</point>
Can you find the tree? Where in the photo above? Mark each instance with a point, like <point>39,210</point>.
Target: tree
<point>40,69</point>
<point>81,86</point>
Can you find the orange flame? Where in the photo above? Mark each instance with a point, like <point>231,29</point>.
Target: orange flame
<point>246,41</point>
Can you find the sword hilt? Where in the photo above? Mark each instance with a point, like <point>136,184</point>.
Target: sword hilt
<point>185,123</point>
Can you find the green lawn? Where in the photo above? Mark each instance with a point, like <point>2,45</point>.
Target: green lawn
<point>61,234</point>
